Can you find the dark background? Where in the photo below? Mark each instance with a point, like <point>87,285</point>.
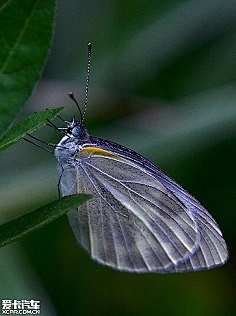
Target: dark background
<point>163,82</point>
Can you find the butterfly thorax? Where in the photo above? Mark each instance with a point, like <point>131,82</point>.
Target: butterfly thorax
<point>72,142</point>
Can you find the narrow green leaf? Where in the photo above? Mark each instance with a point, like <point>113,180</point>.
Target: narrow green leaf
<point>26,30</point>
<point>35,220</point>
<point>30,124</point>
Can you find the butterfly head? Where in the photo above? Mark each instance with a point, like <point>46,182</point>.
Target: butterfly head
<point>77,129</point>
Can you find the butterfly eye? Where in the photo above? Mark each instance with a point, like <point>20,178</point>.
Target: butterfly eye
<point>76,131</point>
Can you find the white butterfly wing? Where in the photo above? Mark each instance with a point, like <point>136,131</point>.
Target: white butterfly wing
<point>133,222</point>
<point>139,219</point>
<point>212,250</point>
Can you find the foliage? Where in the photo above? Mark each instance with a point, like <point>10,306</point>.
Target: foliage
<point>24,48</point>
<point>28,223</point>
<point>30,124</point>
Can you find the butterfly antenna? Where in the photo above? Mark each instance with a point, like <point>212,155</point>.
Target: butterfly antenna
<point>87,81</point>
<point>71,95</point>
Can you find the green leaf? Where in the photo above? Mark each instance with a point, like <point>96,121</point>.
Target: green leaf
<point>35,220</point>
<point>30,124</point>
<point>26,30</point>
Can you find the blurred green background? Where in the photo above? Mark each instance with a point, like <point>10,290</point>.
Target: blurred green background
<point>163,82</point>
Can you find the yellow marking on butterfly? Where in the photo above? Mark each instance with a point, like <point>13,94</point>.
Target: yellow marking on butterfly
<point>96,150</point>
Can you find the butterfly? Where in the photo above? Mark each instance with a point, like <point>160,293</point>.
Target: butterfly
<point>139,219</point>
